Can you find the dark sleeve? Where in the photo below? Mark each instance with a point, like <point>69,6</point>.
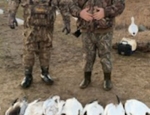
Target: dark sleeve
<point>115,9</point>
<point>63,6</point>
<point>13,6</point>
<point>74,8</point>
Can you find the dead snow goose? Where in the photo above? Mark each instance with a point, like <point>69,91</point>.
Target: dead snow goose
<point>50,105</point>
<point>136,107</point>
<point>93,108</point>
<point>72,107</point>
<point>133,28</point>
<point>18,107</point>
<point>34,108</point>
<point>114,109</point>
<point>60,107</point>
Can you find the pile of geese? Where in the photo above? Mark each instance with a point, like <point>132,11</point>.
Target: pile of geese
<point>71,106</point>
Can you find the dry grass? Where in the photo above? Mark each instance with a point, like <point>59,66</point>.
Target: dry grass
<point>139,10</point>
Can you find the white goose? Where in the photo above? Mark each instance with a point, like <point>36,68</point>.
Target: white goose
<point>50,105</point>
<point>114,109</point>
<point>34,108</point>
<point>93,108</point>
<point>18,107</point>
<point>72,107</point>
<point>133,28</point>
<point>135,107</point>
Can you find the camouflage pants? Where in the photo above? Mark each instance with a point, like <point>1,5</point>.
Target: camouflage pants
<point>100,43</point>
<point>34,46</point>
<point>42,51</point>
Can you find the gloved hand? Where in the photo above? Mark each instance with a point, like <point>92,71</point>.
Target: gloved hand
<point>12,21</point>
<point>66,28</point>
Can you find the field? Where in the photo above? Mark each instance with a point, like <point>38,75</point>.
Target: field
<point>130,75</point>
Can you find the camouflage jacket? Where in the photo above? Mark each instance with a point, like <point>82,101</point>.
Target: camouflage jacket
<point>30,11</point>
<point>112,8</point>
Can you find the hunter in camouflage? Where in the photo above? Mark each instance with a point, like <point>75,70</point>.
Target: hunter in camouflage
<point>39,17</point>
<point>96,21</point>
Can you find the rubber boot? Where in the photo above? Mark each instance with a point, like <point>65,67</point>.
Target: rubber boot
<point>107,82</point>
<point>45,76</point>
<point>86,81</point>
<point>27,81</point>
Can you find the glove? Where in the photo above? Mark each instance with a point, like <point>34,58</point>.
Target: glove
<point>12,21</point>
<point>66,28</point>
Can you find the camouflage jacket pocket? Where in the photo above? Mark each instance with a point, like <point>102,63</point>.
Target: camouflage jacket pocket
<point>40,15</point>
<point>103,23</point>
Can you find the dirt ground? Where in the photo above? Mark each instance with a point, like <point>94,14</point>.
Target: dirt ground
<point>130,75</point>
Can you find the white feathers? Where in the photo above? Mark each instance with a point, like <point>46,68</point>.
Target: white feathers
<point>55,106</point>
<point>19,106</point>
<point>135,107</point>
<point>50,105</point>
<point>34,108</point>
<point>20,21</point>
<point>93,109</point>
<point>133,28</point>
<point>114,109</point>
<point>60,107</point>
<point>23,106</point>
<point>72,107</point>
<point>1,11</point>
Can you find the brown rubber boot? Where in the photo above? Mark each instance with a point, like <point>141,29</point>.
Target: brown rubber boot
<point>107,82</point>
<point>45,76</point>
<point>27,81</point>
<point>86,81</point>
